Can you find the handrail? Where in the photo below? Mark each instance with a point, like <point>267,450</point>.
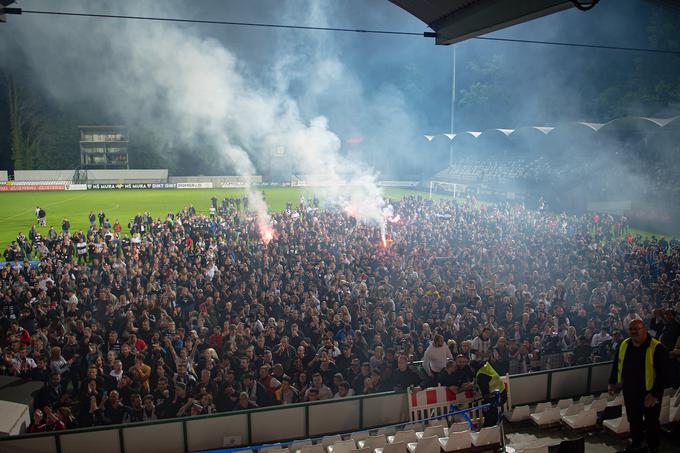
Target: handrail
<point>248,412</point>
<point>575,367</point>
<point>185,418</point>
<point>450,413</point>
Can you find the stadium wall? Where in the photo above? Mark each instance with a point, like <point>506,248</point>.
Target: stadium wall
<point>295,421</point>
<point>218,181</point>
<point>95,176</point>
<point>43,175</point>
<point>127,176</point>
<point>3,176</point>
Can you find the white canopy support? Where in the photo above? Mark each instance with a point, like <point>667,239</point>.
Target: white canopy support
<point>506,131</point>
<point>474,133</point>
<point>429,137</point>
<point>545,129</point>
<point>593,126</point>
<point>450,136</point>
<point>661,122</point>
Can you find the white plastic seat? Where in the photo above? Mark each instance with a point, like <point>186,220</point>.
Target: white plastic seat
<point>518,414</point>
<point>428,444</point>
<point>395,447</point>
<point>316,448</point>
<point>597,405</point>
<point>295,446</point>
<point>675,398</point>
<point>665,415</point>
<point>583,419</point>
<point>586,399</point>
<point>616,401</point>
<point>387,431</point>
<point>618,425</point>
<point>457,440</point>
<point>330,440</point>
<point>459,426</point>
<point>405,436</point>
<point>547,417</point>
<point>359,435</point>
<point>565,403</point>
<point>342,446</point>
<point>437,431</point>
<point>572,410</point>
<point>373,442</point>
<point>665,400</point>
<point>540,407</point>
<point>539,449</point>
<point>439,422</point>
<point>674,414</point>
<point>416,426</point>
<point>487,436</point>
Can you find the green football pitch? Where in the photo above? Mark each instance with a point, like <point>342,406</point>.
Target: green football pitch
<point>17,212</point>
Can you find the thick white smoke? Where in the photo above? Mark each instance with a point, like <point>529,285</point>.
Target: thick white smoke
<point>199,92</point>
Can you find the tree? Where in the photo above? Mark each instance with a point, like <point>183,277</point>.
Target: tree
<point>25,126</point>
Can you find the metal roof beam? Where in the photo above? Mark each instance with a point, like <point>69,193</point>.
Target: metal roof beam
<point>484,17</point>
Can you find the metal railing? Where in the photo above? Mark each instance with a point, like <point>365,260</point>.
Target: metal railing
<point>288,422</point>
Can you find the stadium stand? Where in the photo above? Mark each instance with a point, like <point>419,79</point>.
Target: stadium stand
<point>191,315</point>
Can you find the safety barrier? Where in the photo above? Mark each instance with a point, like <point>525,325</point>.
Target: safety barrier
<point>294,421</point>
<point>450,414</point>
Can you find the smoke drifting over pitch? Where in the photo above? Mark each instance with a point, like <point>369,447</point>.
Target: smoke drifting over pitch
<point>196,89</point>
<point>247,91</point>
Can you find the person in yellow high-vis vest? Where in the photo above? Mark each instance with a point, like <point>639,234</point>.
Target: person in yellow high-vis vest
<point>488,382</point>
<point>639,369</point>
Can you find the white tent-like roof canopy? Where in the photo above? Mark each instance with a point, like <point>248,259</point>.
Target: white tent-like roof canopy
<point>631,122</point>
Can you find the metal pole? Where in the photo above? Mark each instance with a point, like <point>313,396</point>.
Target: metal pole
<point>453,103</point>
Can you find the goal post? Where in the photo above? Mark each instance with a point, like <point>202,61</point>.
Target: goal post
<point>447,187</point>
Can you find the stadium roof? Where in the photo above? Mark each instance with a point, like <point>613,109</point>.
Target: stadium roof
<point>458,20</point>
<point>633,123</point>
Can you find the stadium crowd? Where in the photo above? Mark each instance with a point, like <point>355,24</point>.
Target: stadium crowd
<point>194,314</point>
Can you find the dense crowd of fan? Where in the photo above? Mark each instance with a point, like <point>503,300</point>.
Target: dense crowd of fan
<point>194,313</point>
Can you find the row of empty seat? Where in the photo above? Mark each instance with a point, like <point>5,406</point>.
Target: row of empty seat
<point>431,438</point>
<point>437,436</point>
<point>670,413</point>
<point>584,412</point>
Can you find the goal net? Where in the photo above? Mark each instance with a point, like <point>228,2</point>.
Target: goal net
<point>448,188</point>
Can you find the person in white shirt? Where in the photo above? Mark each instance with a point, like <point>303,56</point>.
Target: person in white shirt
<point>600,338</point>
<point>435,357</point>
<point>324,392</point>
<point>344,390</point>
<point>117,371</point>
<point>22,363</point>
<point>481,345</point>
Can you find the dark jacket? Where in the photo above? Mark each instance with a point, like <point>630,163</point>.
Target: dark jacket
<point>633,374</point>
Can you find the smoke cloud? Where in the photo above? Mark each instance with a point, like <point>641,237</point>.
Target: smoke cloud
<point>247,92</point>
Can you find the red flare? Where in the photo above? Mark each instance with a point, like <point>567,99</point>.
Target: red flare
<point>267,235</point>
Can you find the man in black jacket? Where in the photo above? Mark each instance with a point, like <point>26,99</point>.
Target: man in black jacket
<point>639,369</point>
<point>404,377</point>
